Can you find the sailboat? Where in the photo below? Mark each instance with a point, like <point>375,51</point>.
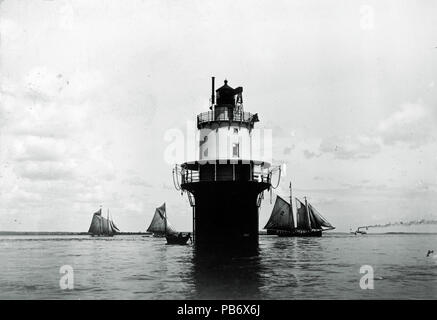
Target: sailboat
<point>159,225</point>
<point>281,220</point>
<point>162,228</point>
<point>310,223</point>
<point>101,226</point>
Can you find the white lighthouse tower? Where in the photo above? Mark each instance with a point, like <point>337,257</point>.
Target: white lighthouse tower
<point>225,132</point>
<point>224,185</point>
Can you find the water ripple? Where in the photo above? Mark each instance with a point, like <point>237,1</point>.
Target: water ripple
<point>136,267</point>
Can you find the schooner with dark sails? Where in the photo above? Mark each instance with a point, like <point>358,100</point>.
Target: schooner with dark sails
<point>281,220</point>
<point>309,222</point>
<point>101,226</point>
<point>162,228</point>
<point>160,225</point>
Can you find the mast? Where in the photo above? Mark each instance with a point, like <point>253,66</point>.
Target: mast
<point>101,221</point>
<point>212,94</point>
<point>165,221</point>
<point>290,194</point>
<point>308,213</point>
<point>290,211</point>
<point>110,231</point>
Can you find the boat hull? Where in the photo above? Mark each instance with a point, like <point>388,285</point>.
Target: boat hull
<point>300,233</point>
<point>158,235</point>
<point>271,232</point>
<point>176,239</point>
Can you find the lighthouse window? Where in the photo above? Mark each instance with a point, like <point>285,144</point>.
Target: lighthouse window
<point>236,149</point>
<point>235,130</point>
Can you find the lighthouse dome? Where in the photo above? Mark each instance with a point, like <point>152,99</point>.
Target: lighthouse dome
<point>225,95</point>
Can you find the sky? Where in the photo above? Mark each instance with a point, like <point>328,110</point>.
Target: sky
<point>91,93</point>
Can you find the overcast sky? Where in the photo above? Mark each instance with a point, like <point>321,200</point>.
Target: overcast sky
<point>89,89</point>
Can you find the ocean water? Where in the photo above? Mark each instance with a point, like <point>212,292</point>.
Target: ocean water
<point>139,267</point>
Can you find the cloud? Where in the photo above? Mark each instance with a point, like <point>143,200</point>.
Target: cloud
<point>42,84</point>
<point>350,147</point>
<point>137,181</point>
<point>9,30</point>
<point>364,185</point>
<point>167,186</point>
<point>52,151</point>
<point>45,103</point>
<point>287,150</point>
<point>46,170</point>
<point>17,194</point>
<point>408,113</point>
<point>409,125</point>
<point>426,185</point>
<point>309,154</point>
<point>38,149</point>
<point>84,101</point>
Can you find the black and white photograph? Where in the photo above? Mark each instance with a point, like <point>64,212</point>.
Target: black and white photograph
<point>237,151</point>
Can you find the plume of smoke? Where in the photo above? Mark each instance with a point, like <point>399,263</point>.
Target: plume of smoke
<point>402,223</point>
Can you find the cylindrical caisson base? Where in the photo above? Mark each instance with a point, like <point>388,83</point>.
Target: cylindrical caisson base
<point>226,213</point>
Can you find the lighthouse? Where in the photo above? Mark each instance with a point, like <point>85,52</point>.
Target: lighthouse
<point>225,184</point>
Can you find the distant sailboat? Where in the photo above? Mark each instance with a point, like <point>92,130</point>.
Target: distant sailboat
<point>162,228</point>
<point>101,226</point>
<point>160,225</point>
